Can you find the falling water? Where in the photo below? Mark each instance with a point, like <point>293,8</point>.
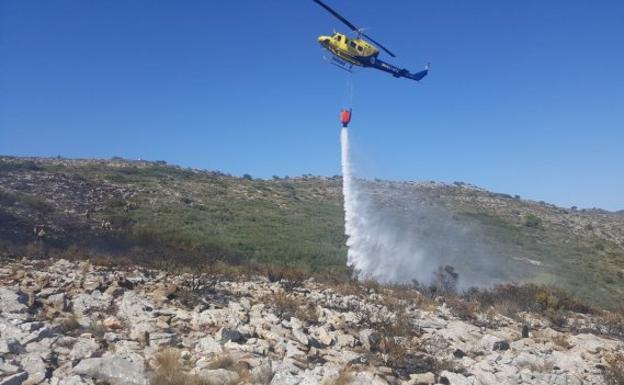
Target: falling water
<point>396,238</point>
<point>375,249</point>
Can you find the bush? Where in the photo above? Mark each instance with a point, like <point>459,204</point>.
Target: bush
<point>445,280</point>
<point>532,220</point>
<point>614,371</point>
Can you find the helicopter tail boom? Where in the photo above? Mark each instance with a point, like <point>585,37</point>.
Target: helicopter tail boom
<point>397,72</point>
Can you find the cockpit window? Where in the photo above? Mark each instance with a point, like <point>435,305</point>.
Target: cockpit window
<point>338,38</point>
<point>352,44</point>
<point>359,48</point>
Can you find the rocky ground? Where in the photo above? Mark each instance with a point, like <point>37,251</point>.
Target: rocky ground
<point>75,323</point>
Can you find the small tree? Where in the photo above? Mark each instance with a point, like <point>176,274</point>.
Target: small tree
<point>445,280</point>
<point>532,221</point>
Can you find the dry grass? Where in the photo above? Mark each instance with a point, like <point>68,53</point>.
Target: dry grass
<point>222,361</point>
<point>290,277</point>
<point>227,362</point>
<point>614,371</point>
<point>308,313</point>
<point>464,310</point>
<point>70,324</point>
<point>345,377</point>
<point>562,342</point>
<point>171,372</point>
<point>613,323</point>
<point>285,306</point>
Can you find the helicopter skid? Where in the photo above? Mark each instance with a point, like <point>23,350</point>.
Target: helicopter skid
<point>339,63</point>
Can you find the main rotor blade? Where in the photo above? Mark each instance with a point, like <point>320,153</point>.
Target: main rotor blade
<point>353,27</point>
<point>337,15</point>
<point>379,45</point>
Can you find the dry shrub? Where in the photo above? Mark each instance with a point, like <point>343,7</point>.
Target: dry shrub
<point>405,357</point>
<point>308,313</point>
<point>285,306</point>
<point>171,372</point>
<point>290,277</point>
<point>410,295</point>
<point>562,342</point>
<point>97,328</point>
<point>70,324</point>
<point>345,377</point>
<point>531,298</point>
<point>557,317</point>
<point>222,361</point>
<point>400,326</point>
<point>614,371</point>
<point>464,310</point>
<point>613,323</point>
<point>543,367</point>
<point>371,286</point>
<point>225,361</point>
<point>346,288</point>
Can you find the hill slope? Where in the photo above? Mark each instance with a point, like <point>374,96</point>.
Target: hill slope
<point>152,212</point>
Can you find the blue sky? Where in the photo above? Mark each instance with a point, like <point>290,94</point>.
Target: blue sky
<point>524,97</point>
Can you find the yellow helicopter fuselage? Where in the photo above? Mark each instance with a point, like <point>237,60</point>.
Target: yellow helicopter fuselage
<point>354,51</point>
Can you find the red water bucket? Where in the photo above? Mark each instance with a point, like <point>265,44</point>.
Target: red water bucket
<point>345,117</point>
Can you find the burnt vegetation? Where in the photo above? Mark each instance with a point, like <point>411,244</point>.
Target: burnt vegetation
<point>149,213</point>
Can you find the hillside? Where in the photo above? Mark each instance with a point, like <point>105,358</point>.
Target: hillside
<point>78,323</point>
<point>153,213</point>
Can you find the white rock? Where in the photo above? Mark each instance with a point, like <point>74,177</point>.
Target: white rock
<point>218,376</point>
<point>33,364</point>
<point>16,379</point>
<point>262,373</point>
<point>84,303</point>
<point>285,378</point>
<point>13,301</point>
<point>421,379</point>
<point>208,345</point>
<point>455,379</point>
<point>58,301</point>
<point>300,336</point>
<point>367,378</point>
<point>10,345</point>
<point>116,371</point>
<point>84,348</point>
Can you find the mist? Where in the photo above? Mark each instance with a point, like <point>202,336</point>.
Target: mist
<point>395,235</point>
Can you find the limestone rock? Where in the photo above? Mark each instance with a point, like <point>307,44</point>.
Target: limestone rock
<point>116,371</point>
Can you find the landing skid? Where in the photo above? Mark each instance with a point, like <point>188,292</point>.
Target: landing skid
<point>343,65</point>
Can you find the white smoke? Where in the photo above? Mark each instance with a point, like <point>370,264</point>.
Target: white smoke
<point>394,235</point>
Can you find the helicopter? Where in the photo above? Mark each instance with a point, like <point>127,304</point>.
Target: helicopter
<point>348,52</point>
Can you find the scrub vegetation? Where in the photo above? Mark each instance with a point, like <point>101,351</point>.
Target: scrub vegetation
<point>151,213</point>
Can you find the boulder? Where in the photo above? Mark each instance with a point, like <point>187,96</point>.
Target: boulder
<point>112,323</point>
<point>114,370</point>
<point>453,379</point>
<point>10,345</point>
<point>84,303</point>
<point>13,302</point>
<point>218,376</point>
<point>58,301</point>
<point>225,335</point>
<point>501,345</point>
<point>16,379</point>
<point>208,345</point>
<point>262,373</point>
<point>33,364</point>
<point>285,378</point>
<point>83,348</point>
<point>422,379</point>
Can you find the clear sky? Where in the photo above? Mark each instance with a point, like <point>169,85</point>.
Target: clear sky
<point>524,97</point>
